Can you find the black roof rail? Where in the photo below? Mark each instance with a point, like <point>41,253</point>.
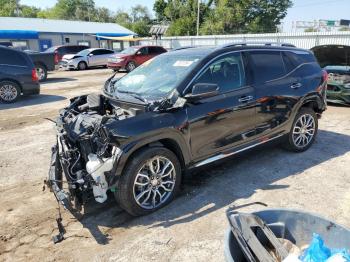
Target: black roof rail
<point>183,47</point>
<point>256,43</point>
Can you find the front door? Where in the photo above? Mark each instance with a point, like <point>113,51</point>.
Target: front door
<point>44,44</point>
<point>227,120</point>
<point>142,56</point>
<point>94,57</point>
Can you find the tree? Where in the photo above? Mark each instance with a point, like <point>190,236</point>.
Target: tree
<point>8,7</point>
<point>29,11</point>
<point>222,16</point>
<point>139,20</point>
<point>159,8</point>
<point>344,28</point>
<point>103,14</point>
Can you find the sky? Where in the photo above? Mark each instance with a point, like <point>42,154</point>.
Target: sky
<point>302,10</point>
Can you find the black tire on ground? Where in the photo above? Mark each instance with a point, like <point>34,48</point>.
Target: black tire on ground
<point>130,66</point>
<point>41,71</point>
<point>125,188</point>
<point>9,91</point>
<point>82,65</point>
<point>299,138</point>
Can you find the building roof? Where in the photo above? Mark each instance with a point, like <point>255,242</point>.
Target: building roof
<point>61,26</point>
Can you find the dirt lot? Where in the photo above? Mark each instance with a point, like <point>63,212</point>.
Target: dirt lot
<point>192,227</point>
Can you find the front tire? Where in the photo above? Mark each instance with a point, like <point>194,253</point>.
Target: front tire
<point>303,131</point>
<point>150,181</point>
<point>130,66</point>
<point>82,66</point>
<point>9,91</point>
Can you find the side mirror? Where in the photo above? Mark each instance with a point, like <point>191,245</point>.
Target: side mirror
<point>203,90</point>
<point>91,54</point>
<point>138,53</point>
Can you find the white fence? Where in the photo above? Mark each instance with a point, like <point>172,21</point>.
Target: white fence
<point>302,40</point>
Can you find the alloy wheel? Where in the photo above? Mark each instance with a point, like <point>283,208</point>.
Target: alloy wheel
<point>131,66</point>
<point>8,92</point>
<point>154,183</point>
<point>303,130</point>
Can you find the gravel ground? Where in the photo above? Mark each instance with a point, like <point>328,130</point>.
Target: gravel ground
<point>192,227</point>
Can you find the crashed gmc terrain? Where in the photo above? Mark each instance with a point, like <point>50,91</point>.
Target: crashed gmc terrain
<point>181,110</point>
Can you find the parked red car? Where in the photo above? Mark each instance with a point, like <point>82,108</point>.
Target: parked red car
<point>132,57</point>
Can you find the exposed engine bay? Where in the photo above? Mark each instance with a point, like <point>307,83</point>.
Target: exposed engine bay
<point>84,152</point>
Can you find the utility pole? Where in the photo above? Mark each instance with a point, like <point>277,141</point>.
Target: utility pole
<point>198,4</point>
<point>17,8</point>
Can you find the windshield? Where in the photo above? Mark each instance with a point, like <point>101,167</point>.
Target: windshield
<point>85,52</point>
<point>129,51</point>
<point>157,77</point>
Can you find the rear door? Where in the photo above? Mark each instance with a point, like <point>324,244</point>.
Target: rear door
<point>277,90</point>
<point>15,65</point>
<point>103,56</point>
<point>227,120</point>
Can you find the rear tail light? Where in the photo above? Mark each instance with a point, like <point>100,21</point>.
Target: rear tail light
<point>325,76</point>
<point>56,58</point>
<point>34,76</point>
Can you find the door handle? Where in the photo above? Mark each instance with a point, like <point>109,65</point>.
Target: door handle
<point>295,85</point>
<point>245,99</point>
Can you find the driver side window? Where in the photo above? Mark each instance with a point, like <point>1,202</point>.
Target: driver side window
<point>226,71</point>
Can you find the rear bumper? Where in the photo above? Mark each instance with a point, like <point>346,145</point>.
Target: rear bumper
<point>31,88</point>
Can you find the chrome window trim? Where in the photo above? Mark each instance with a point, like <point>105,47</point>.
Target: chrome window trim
<point>236,51</point>
<point>222,156</point>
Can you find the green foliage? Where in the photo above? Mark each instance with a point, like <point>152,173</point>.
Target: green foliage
<point>7,7</point>
<point>222,16</point>
<point>308,30</point>
<point>344,28</point>
<point>138,21</point>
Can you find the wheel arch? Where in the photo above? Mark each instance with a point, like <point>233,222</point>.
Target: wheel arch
<point>12,80</point>
<point>41,64</point>
<point>172,144</point>
<point>313,103</point>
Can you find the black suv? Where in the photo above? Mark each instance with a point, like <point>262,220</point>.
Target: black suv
<point>17,75</point>
<point>183,109</point>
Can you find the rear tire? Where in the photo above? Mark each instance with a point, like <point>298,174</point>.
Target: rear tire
<point>41,71</point>
<point>303,131</point>
<point>82,66</point>
<point>9,91</point>
<point>150,181</point>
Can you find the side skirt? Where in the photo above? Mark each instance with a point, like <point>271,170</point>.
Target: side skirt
<point>237,150</point>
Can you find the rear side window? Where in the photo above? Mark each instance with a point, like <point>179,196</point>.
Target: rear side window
<point>10,57</point>
<point>155,50</point>
<point>267,65</point>
<point>294,59</point>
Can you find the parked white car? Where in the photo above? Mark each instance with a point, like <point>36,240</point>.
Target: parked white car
<point>91,57</point>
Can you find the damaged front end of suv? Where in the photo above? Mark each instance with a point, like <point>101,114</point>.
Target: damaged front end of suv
<point>97,133</point>
<point>83,153</point>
